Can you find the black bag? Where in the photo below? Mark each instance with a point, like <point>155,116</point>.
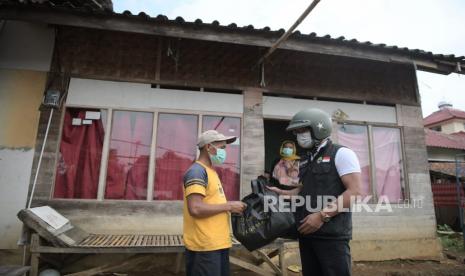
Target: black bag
<point>256,228</point>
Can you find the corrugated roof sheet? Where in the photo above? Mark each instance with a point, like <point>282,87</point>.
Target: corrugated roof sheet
<point>79,5</point>
<point>442,115</point>
<point>441,140</point>
<point>86,8</point>
<point>447,168</point>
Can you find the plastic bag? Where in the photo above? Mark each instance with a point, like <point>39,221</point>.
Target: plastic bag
<point>256,228</point>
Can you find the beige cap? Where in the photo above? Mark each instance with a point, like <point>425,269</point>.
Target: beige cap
<point>211,136</point>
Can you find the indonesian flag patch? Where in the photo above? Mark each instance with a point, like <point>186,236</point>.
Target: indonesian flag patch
<point>326,159</point>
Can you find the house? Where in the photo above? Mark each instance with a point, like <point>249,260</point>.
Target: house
<point>445,143</point>
<point>135,92</point>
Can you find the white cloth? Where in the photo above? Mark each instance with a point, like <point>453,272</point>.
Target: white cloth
<point>346,162</point>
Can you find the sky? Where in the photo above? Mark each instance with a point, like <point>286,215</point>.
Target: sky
<point>432,25</point>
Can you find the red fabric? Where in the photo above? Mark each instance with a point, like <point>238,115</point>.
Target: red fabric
<point>128,160</point>
<point>175,152</point>
<point>80,154</point>
<point>357,140</point>
<point>388,162</point>
<point>229,172</point>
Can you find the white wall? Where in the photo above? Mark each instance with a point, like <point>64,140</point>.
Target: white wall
<point>25,57</point>
<point>443,154</point>
<point>453,126</point>
<point>26,46</point>
<point>98,93</point>
<point>15,170</point>
<point>276,107</point>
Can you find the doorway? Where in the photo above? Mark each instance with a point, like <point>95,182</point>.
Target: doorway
<point>275,134</point>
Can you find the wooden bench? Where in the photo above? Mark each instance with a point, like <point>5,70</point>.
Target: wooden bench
<point>70,239</point>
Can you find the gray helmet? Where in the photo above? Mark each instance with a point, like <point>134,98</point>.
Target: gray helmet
<point>316,119</point>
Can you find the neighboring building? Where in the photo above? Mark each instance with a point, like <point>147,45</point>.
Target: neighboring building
<point>137,90</point>
<point>445,141</point>
<point>446,120</point>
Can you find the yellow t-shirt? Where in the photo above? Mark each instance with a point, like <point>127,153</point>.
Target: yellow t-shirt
<point>210,233</point>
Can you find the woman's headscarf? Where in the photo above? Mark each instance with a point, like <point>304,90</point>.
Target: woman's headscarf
<point>294,153</point>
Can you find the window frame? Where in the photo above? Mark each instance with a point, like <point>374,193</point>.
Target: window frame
<point>371,149</point>
<point>152,168</point>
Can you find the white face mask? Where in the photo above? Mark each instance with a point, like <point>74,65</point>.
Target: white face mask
<point>305,140</point>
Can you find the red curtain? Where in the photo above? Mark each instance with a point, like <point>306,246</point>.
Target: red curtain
<point>128,160</point>
<point>78,167</point>
<point>175,152</point>
<point>229,172</point>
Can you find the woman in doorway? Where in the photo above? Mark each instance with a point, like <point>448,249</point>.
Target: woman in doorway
<point>286,171</point>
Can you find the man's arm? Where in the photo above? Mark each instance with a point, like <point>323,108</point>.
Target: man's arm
<point>313,222</point>
<point>348,168</point>
<point>353,184</point>
<point>199,209</point>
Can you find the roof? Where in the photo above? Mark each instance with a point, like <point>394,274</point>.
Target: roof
<point>443,115</point>
<point>28,10</point>
<point>459,134</point>
<point>448,168</point>
<point>442,140</point>
<point>82,5</point>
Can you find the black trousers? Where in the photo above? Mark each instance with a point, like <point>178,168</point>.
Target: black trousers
<point>207,263</point>
<point>325,257</point>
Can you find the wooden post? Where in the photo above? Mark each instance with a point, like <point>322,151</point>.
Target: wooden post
<point>35,243</point>
<point>282,263</point>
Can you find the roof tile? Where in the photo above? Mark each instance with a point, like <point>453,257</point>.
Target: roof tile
<point>441,140</point>
<point>442,115</point>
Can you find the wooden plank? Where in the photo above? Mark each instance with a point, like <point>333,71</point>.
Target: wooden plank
<point>13,270</point>
<point>49,233</point>
<point>282,261</point>
<point>108,250</point>
<point>249,266</point>
<point>34,264</point>
<point>208,33</point>
<point>177,268</point>
<point>115,266</point>
<point>267,260</point>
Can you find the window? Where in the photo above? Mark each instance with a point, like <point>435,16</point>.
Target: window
<point>128,157</point>
<point>133,153</point>
<point>230,171</point>
<point>437,128</point>
<point>379,147</point>
<point>355,137</point>
<point>175,152</point>
<point>78,165</point>
<point>389,166</point>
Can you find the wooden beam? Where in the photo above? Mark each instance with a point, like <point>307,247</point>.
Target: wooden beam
<point>249,266</point>
<point>289,32</point>
<point>217,34</point>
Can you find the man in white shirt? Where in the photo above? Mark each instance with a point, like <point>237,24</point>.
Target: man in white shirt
<point>326,170</point>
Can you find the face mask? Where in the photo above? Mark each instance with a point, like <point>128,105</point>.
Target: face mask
<point>220,156</point>
<point>288,152</point>
<point>305,140</point>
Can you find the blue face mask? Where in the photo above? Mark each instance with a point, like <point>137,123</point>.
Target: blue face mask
<point>288,152</point>
<point>220,156</point>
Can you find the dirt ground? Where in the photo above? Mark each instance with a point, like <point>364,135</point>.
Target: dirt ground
<point>452,264</point>
<point>445,267</point>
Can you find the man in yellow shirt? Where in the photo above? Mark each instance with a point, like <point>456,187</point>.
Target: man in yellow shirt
<point>206,230</point>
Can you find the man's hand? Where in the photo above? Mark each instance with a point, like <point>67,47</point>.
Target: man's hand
<point>310,224</point>
<point>285,193</point>
<point>236,207</point>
